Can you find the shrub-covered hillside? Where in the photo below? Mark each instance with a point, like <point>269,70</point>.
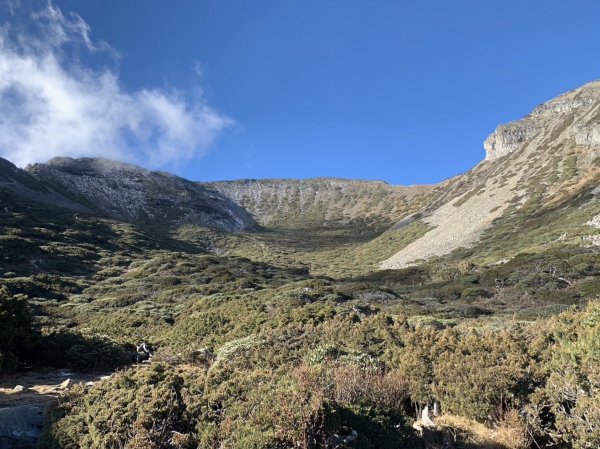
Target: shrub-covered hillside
<point>320,380</point>
<point>258,314</point>
<point>261,340</point>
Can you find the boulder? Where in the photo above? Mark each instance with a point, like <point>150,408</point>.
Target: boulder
<point>20,426</point>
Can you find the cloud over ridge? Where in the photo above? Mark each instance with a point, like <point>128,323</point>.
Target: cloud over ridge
<point>52,104</point>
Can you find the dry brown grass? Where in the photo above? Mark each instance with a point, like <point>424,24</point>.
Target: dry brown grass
<point>510,433</point>
<point>352,383</point>
<point>347,384</point>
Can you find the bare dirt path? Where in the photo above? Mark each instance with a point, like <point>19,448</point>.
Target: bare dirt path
<point>25,397</point>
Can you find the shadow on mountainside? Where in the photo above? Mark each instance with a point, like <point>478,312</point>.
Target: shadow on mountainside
<point>50,252</point>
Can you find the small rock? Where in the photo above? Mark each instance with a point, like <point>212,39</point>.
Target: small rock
<point>66,384</point>
<point>18,389</point>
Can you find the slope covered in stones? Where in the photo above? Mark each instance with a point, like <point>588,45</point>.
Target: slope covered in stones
<point>543,162</point>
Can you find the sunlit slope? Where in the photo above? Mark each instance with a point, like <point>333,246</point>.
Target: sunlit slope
<point>544,165</point>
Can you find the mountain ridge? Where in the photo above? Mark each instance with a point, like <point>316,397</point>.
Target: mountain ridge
<point>549,154</point>
<point>290,202</point>
<point>126,192</point>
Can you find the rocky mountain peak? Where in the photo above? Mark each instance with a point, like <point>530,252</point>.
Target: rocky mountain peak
<point>134,194</point>
<point>543,158</point>
<point>577,112</point>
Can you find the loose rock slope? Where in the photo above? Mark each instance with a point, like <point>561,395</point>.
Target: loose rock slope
<point>551,153</point>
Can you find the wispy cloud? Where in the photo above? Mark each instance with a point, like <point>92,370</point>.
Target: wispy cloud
<point>52,104</point>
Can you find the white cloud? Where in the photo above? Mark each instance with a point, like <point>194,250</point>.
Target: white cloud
<point>51,104</point>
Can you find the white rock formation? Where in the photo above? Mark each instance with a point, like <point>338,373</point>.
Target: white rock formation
<point>594,222</point>
<point>508,138</point>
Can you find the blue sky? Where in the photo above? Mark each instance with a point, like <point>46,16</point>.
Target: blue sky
<point>400,91</point>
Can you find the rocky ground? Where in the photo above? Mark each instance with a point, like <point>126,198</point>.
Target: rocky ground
<point>25,397</point>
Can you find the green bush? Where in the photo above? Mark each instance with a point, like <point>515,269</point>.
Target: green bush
<point>476,292</point>
<point>151,410</point>
<point>589,287</point>
<point>571,393</point>
<point>17,337</point>
<point>77,351</point>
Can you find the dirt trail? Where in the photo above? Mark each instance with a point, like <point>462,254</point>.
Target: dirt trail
<point>25,397</point>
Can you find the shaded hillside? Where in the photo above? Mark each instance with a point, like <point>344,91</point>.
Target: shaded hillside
<point>133,194</point>
<point>22,184</point>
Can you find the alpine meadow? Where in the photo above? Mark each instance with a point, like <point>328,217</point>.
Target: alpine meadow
<point>142,309</point>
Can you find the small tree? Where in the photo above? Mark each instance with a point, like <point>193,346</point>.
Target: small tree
<point>16,332</point>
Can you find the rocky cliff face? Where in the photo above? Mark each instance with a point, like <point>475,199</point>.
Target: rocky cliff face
<point>576,110</point>
<point>133,194</point>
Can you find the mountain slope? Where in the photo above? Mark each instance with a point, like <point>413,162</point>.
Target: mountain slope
<point>548,157</point>
<point>532,165</point>
<point>133,194</point>
<point>321,202</point>
<point>18,182</point>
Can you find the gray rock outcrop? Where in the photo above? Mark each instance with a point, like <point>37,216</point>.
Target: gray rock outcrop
<point>508,138</point>
<point>20,426</point>
<point>566,108</point>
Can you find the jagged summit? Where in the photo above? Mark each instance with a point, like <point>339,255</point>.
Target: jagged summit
<point>549,156</point>
<point>576,111</point>
<point>330,179</point>
<point>91,165</point>
<point>99,166</point>
<point>580,97</point>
